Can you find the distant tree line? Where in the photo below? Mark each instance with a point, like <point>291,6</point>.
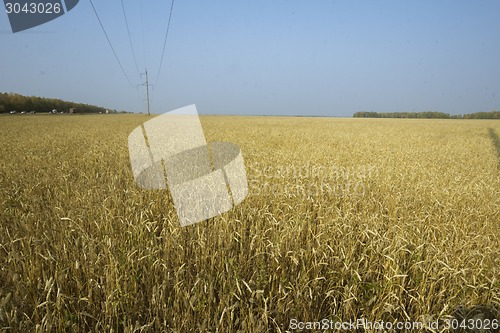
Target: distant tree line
<point>12,101</point>
<point>482,115</point>
<point>427,115</point>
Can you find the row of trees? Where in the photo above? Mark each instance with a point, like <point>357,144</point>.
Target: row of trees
<point>12,101</point>
<point>428,115</point>
<point>482,115</point>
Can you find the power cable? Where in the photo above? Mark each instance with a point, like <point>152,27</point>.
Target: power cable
<point>142,28</point>
<point>111,45</point>
<point>165,41</point>
<point>130,38</point>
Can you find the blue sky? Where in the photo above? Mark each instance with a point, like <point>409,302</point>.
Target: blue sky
<point>278,57</point>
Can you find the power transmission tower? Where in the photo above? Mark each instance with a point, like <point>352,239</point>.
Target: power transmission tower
<point>147,90</point>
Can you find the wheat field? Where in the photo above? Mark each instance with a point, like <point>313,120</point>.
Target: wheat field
<point>384,219</point>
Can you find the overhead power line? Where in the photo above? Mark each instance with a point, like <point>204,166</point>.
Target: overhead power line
<point>165,41</point>
<point>142,28</point>
<point>109,42</point>
<point>130,38</point>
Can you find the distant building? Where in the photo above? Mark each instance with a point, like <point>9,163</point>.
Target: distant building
<point>72,110</point>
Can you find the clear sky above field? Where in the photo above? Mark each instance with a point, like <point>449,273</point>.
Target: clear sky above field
<point>265,57</point>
